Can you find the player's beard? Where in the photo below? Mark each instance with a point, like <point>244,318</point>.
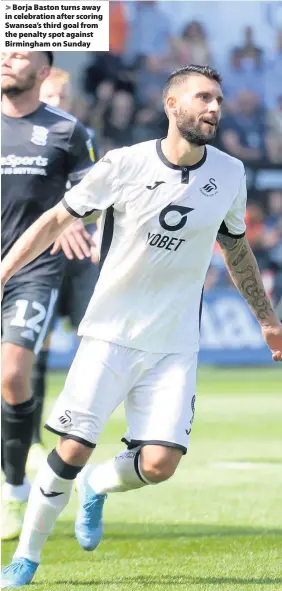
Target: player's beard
<point>192,132</point>
<point>14,88</point>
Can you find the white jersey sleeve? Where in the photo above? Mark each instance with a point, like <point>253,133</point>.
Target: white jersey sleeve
<point>234,221</point>
<point>98,189</point>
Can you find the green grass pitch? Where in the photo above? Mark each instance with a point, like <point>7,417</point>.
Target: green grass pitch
<point>215,526</point>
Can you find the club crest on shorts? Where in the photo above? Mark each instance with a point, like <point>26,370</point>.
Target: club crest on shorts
<point>65,420</point>
<point>39,135</point>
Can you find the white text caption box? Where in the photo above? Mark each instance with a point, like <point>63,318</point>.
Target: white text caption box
<point>57,25</point>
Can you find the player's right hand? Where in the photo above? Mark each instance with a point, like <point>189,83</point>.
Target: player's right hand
<point>75,241</point>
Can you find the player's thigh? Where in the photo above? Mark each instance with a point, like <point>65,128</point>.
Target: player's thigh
<point>16,366</point>
<point>160,409</point>
<point>82,278</point>
<point>97,382</point>
<point>27,314</point>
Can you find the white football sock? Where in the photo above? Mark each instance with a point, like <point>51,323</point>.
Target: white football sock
<point>42,511</point>
<point>19,492</point>
<point>119,474</point>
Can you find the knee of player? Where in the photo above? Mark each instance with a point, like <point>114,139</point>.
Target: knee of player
<point>158,467</point>
<point>14,384</point>
<point>73,452</point>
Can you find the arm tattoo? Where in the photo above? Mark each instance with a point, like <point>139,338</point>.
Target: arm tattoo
<point>254,293</point>
<point>243,268</point>
<point>227,242</point>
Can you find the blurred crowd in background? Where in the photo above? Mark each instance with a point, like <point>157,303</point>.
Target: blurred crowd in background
<point>122,101</point>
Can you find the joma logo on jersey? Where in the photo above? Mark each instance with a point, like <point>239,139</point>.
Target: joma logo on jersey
<point>210,188</point>
<point>39,135</point>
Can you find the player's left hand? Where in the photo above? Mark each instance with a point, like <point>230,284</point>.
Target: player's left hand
<point>273,338</point>
<point>74,241</point>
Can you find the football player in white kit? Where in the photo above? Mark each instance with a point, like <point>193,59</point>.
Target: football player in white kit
<point>164,204</point>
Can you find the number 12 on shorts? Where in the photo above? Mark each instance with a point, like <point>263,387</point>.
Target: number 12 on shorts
<point>35,321</point>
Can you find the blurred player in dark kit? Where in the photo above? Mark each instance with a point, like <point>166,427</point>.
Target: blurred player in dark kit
<point>42,148</point>
<point>80,274</point>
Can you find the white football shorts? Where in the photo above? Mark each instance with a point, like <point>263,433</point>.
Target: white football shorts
<point>158,391</point>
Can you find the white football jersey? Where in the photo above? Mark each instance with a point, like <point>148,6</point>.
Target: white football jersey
<point>159,227</point>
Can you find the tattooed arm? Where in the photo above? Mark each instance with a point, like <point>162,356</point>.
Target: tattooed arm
<point>244,271</point>
<point>242,266</point>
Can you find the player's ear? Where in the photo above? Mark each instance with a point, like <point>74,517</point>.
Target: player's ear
<point>171,105</point>
<point>43,73</point>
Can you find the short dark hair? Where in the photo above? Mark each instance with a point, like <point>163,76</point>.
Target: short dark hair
<point>50,57</point>
<point>178,75</point>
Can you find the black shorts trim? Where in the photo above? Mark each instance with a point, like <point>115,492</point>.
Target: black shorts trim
<point>74,213</point>
<point>136,442</point>
<point>70,436</point>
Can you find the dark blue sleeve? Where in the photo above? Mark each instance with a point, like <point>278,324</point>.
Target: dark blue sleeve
<point>81,154</point>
